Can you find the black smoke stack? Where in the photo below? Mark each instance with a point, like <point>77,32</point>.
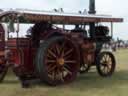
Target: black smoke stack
<point>92,7</point>
<point>92,24</point>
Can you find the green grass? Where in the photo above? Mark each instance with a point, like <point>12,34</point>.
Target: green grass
<point>90,84</point>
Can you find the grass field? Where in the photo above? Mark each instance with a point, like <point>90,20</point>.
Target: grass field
<point>90,84</point>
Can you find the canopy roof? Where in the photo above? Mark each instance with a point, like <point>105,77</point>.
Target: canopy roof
<point>33,16</point>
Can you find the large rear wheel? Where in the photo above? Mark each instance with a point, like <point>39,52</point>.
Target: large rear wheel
<point>57,61</point>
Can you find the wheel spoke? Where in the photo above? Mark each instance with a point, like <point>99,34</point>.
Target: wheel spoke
<point>57,47</point>
<point>49,56</point>
<point>52,53</point>
<point>66,69</point>
<point>108,68</point>
<point>51,68</point>
<point>62,49</point>
<point>109,58</point>
<point>67,66</point>
<point>104,69</point>
<point>110,61</point>
<point>68,52</point>
<point>51,61</point>
<point>60,75</point>
<point>103,58</point>
<point>70,61</point>
<point>68,56</point>
<point>106,57</point>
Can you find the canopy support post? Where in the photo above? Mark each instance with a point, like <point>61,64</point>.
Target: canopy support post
<point>17,31</point>
<point>111,29</point>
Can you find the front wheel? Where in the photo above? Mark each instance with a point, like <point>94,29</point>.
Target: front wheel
<point>105,64</point>
<point>57,61</point>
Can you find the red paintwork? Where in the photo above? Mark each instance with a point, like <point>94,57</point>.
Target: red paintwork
<point>23,55</point>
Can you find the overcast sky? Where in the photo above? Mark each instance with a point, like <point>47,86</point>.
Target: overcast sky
<point>116,8</point>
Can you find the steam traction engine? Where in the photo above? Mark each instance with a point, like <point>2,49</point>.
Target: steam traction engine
<point>52,54</point>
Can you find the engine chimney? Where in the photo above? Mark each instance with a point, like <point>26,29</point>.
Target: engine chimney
<point>92,24</point>
<point>91,7</point>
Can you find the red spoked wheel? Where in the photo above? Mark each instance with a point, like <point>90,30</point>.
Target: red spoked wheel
<point>105,64</point>
<point>57,61</point>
